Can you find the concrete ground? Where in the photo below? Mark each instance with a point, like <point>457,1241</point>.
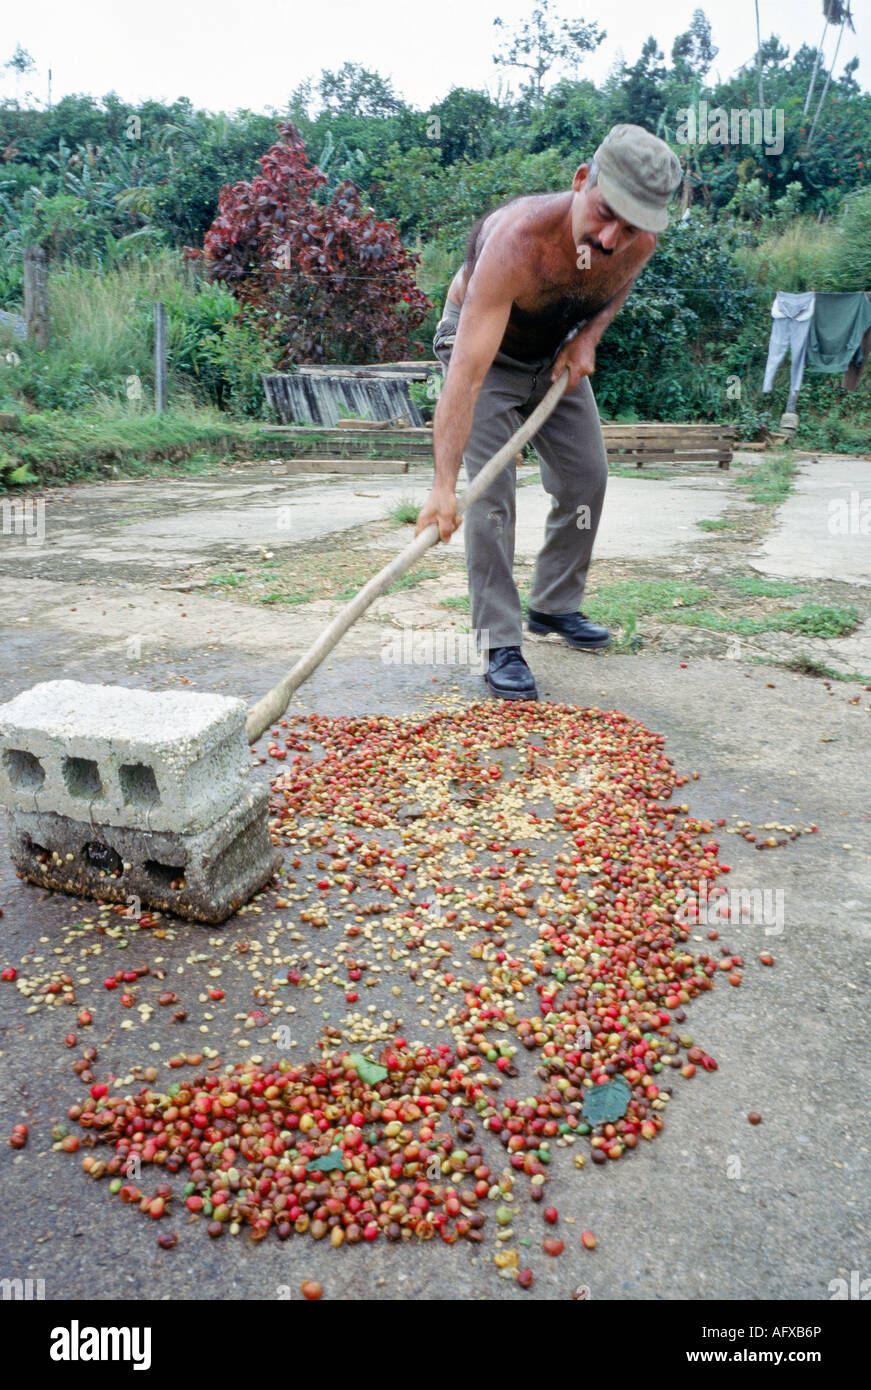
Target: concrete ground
<point>715,1207</point>
<point>100,529</point>
<point>824,528</point>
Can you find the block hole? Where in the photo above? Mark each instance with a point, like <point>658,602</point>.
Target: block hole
<point>139,784</point>
<point>24,770</point>
<point>103,857</point>
<point>82,778</point>
<point>37,850</point>
<point>166,876</point>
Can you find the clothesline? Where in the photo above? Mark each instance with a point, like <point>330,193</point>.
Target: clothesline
<point>828,331</point>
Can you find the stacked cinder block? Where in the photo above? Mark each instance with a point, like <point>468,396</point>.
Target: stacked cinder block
<point>117,793</point>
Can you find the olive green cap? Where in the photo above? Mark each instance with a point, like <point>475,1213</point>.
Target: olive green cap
<point>638,173</point>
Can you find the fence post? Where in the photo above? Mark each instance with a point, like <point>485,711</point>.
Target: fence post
<point>159,358</point>
<point>36,295</point>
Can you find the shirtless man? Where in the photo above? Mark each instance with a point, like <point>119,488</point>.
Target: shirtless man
<point>542,278</point>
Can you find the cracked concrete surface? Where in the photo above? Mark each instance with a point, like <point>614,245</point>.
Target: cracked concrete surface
<point>770,746</point>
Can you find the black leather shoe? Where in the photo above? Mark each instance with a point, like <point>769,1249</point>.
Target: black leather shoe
<point>575,628</point>
<point>508,675</point>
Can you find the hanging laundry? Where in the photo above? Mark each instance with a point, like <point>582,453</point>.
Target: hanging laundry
<point>839,325</point>
<point>853,374</point>
<point>792,316</point>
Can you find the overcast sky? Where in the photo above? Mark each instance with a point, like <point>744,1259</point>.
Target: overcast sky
<point>225,55</point>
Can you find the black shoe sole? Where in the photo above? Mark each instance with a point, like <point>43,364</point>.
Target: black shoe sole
<point>578,646</point>
<point>511,694</point>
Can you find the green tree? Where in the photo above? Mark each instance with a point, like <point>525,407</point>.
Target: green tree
<point>636,93</point>
<point>693,52</point>
<point>20,62</point>
<point>466,125</point>
<point>355,90</point>
<point>544,41</point>
<point>572,119</point>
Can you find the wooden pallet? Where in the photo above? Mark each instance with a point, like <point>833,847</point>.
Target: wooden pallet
<point>655,443</point>
<point>638,444</point>
<point>414,444</point>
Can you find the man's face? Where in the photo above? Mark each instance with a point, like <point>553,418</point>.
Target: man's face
<point>594,223</point>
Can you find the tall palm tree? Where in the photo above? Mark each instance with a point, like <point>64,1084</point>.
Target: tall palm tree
<point>817,61</point>
<point>835,12</point>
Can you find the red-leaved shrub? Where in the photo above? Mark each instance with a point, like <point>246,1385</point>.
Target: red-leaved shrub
<point>332,282</point>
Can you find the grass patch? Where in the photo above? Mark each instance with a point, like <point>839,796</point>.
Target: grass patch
<point>771,481</point>
<point>719,523</point>
<point>460,602</point>
<point>809,666</point>
<point>57,448</point>
<point>230,580</point>
<point>112,438</point>
<point>618,470</point>
<point>405,513</point>
<point>615,604</point>
<point>302,596</point>
<point>812,620</point>
<point>406,581</point>
<point>411,581</point>
<point>619,606</point>
<point>763,588</point>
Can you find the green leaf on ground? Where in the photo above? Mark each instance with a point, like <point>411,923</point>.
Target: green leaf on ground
<point>606,1103</point>
<point>327,1163</point>
<point>366,1069</point>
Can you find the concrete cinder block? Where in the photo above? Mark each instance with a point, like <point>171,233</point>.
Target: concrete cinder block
<point>111,755</point>
<point>205,876</point>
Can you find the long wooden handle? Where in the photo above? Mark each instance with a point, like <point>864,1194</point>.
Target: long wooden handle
<point>275,702</point>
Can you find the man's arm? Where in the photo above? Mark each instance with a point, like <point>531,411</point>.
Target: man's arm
<point>579,353</point>
<point>496,280</point>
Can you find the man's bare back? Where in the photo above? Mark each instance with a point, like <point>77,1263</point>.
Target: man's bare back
<point>557,296</point>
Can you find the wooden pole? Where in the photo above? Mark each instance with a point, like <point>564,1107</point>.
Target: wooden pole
<point>159,357</point>
<point>817,61</point>
<point>759,59</point>
<point>275,702</point>
<point>810,138</point>
<point>36,295</point>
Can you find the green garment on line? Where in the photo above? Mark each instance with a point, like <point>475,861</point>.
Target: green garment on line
<point>838,326</point>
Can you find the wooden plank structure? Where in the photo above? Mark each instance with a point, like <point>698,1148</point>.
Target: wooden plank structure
<point>324,395</point>
<point>660,443</point>
<point>414,444</point>
<point>410,371</point>
<point>626,444</point>
<point>334,396</point>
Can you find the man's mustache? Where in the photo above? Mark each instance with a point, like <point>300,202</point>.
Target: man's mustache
<point>597,245</point>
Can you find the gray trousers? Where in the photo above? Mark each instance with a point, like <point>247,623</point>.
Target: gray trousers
<point>574,471</point>
<point>789,333</point>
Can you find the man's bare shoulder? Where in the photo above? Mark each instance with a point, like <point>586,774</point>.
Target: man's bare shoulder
<point>522,219</point>
<point>517,236</point>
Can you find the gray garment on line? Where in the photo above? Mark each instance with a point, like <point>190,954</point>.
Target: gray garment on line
<point>574,471</point>
<point>838,331</point>
<point>792,315</point>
